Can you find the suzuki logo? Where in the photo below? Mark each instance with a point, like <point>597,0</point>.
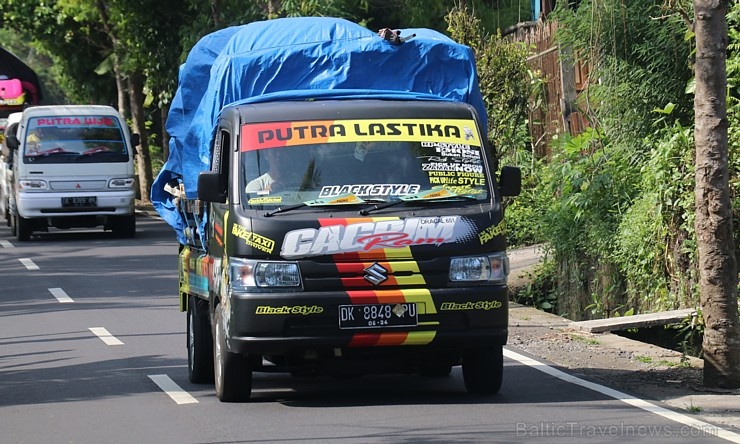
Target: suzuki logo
<point>376,274</point>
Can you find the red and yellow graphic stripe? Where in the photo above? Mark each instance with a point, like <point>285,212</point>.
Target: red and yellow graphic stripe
<point>357,263</point>
<point>424,304</point>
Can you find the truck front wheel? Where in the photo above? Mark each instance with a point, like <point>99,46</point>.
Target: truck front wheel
<point>200,342</point>
<point>483,369</point>
<point>233,373</point>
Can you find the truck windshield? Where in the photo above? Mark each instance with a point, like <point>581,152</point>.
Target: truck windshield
<point>65,139</point>
<point>382,171</point>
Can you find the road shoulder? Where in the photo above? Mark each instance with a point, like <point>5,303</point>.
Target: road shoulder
<point>639,369</point>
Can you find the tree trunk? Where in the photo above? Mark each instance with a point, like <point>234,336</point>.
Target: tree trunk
<point>216,14</point>
<point>273,8</point>
<point>143,160</point>
<point>120,88</point>
<point>717,262</point>
<point>165,135</point>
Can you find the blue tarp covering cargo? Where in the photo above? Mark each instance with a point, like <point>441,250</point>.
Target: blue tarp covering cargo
<point>300,59</point>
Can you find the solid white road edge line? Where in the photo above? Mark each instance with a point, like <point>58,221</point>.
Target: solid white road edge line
<point>628,399</point>
<point>61,295</point>
<point>6,244</point>
<point>28,263</point>
<point>103,334</point>
<point>173,390</point>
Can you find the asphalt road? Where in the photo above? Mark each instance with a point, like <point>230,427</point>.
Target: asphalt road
<point>92,350</point>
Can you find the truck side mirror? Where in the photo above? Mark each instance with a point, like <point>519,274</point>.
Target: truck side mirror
<point>12,142</point>
<point>510,182</point>
<point>209,187</point>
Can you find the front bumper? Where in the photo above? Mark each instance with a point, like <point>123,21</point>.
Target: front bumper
<point>449,318</point>
<point>49,204</point>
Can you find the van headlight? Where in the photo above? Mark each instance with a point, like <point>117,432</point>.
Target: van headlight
<point>492,268</point>
<point>252,275</point>
<point>121,183</point>
<point>33,185</point>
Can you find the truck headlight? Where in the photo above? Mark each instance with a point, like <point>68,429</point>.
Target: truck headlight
<point>123,182</point>
<point>485,269</point>
<point>251,275</point>
<point>33,185</point>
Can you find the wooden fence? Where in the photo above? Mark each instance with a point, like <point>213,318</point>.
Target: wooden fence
<point>564,79</point>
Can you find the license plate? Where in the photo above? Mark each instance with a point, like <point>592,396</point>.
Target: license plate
<point>81,201</point>
<point>378,315</point>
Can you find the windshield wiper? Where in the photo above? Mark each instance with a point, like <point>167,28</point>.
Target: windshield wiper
<point>285,209</point>
<point>433,195</point>
<point>46,153</point>
<point>345,199</point>
<point>94,152</point>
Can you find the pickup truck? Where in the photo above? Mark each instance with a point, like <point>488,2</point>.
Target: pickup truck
<point>335,223</point>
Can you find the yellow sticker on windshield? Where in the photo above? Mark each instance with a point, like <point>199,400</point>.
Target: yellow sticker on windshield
<point>256,136</point>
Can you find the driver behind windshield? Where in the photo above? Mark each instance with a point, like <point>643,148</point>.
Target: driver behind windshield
<point>275,172</point>
<point>288,170</point>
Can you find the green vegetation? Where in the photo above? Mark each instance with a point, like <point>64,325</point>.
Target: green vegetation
<point>615,203</point>
<point>693,408</point>
<point>584,340</point>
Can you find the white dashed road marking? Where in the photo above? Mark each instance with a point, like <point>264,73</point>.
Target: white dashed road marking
<point>173,390</point>
<point>61,295</point>
<point>28,263</point>
<point>103,334</point>
<point>6,244</point>
<point>628,399</point>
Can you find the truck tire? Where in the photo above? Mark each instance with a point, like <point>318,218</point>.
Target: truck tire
<point>22,228</point>
<point>483,369</point>
<point>232,372</point>
<point>200,343</point>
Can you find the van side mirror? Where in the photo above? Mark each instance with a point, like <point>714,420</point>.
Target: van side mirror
<point>135,139</point>
<point>209,187</point>
<point>510,181</point>
<point>12,142</point>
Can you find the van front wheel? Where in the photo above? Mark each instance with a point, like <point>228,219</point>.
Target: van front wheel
<point>123,226</point>
<point>22,228</point>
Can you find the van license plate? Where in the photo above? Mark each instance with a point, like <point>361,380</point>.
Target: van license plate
<point>81,201</point>
<point>378,315</point>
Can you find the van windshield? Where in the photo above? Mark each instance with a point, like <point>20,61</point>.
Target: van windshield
<point>65,139</point>
<point>371,170</point>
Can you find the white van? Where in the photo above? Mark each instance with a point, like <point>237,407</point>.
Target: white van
<point>6,166</point>
<point>74,167</point>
